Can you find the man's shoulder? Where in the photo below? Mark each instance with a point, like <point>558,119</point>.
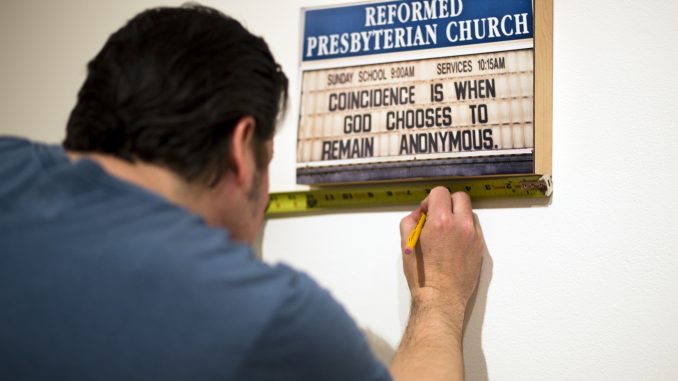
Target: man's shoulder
<point>12,144</point>
<point>18,164</point>
<point>13,153</point>
<point>16,150</point>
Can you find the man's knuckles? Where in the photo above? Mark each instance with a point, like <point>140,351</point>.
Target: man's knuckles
<point>440,222</point>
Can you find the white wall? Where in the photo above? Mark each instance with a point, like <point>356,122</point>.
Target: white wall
<point>582,289</point>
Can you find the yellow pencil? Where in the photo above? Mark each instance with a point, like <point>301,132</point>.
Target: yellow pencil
<point>414,235</point>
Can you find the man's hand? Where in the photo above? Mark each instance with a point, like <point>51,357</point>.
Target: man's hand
<point>447,260</point>
<point>442,275</point>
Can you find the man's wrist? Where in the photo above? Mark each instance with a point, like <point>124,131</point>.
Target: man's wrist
<point>439,309</point>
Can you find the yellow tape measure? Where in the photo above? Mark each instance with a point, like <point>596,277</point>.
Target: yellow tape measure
<point>533,186</point>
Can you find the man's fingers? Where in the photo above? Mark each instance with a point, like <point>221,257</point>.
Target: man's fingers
<point>438,204</point>
<point>408,224</point>
<point>461,204</point>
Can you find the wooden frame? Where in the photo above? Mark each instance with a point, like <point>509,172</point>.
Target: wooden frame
<point>543,86</point>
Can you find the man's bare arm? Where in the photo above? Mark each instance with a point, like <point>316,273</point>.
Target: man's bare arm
<point>441,275</point>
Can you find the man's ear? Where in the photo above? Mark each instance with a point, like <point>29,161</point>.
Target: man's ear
<point>241,149</point>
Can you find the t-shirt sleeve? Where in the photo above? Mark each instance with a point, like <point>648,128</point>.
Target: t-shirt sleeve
<point>311,337</point>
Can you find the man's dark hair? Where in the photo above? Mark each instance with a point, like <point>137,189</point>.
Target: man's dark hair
<point>169,87</point>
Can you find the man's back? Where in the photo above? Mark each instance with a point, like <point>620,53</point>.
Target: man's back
<point>100,279</point>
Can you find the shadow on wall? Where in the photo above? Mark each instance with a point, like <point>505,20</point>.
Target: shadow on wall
<point>474,357</point>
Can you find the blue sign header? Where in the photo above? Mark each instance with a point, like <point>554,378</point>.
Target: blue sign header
<point>398,26</point>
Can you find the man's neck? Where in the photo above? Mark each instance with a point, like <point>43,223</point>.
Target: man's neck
<point>220,206</point>
<point>154,178</point>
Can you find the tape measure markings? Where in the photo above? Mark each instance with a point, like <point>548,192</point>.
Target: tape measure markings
<point>533,186</point>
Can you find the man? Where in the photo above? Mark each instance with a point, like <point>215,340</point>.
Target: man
<point>126,254</point>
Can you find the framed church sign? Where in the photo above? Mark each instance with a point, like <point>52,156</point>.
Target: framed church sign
<point>430,89</point>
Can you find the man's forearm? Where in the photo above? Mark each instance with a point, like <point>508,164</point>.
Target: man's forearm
<point>442,275</point>
<point>431,348</point>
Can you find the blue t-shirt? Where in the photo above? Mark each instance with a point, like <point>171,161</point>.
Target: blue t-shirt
<point>103,280</point>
